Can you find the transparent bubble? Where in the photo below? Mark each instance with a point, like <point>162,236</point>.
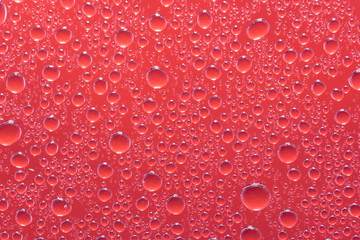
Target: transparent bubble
<point>175,204</point>
<point>212,72</point>
<point>15,83</point>
<point>51,123</point>
<point>23,217</point>
<point>157,23</point>
<point>287,153</point>
<point>105,170</point>
<point>104,194</point>
<point>63,35</point>
<point>37,33</point>
<point>61,207</point>
<point>243,64</point>
<point>119,142</point>
<point>258,29</point>
<point>255,196</point>
<point>204,19</point>
<point>342,117</point>
<point>3,13</point>
<point>152,181</point>
<point>250,233</point>
<point>124,37</point>
<point>318,87</point>
<point>142,203</point>
<point>51,73</point>
<point>19,160</point>
<point>84,60</point>
<point>331,46</point>
<point>288,218</point>
<point>157,78</point>
<point>10,132</point>
<point>354,80</point>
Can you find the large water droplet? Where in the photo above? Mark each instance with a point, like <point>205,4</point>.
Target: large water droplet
<point>3,13</point>
<point>175,204</point>
<point>288,218</point>
<point>23,217</point>
<point>152,181</point>
<point>10,133</point>
<point>15,82</point>
<point>354,80</point>
<point>124,37</point>
<point>60,207</point>
<point>258,29</point>
<point>287,153</point>
<point>255,196</point>
<point>156,77</point>
<point>119,142</point>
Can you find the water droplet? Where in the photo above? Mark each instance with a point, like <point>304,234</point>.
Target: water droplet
<point>354,80</point>
<point>63,35</point>
<point>204,19</point>
<point>15,83</point>
<point>19,160</point>
<point>331,46</point>
<point>152,181</point>
<point>3,13</point>
<point>61,207</point>
<point>255,196</point>
<point>10,133</point>
<point>258,29</point>
<point>250,233</point>
<point>37,33</point>
<point>157,78</point>
<point>124,37</point>
<point>119,142</point>
<point>157,23</point>
<point>243,64</point>
<point>287,153</point>
<point>23,217</point>
<point>50,73</point>
<point>342,117</point>
<point>288,218</point>
<point>175,204</point>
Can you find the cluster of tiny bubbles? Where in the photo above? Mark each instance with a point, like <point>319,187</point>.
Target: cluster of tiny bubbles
<point>174,119</point>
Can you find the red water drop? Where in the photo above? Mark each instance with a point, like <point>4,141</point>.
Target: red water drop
<point>63,35</point>
<point>243,64</point>
<point>354,80</point>
<point>157,78</point>
<point>288,218</point>
<point>15,83</point>
<point>258,29</point>
<point>204,19</point>
<point>60,207</point>
<point>255,196</point>
<point>23,217</point>
<point>119,142</point>
<point>105,170</point>
<point>175,204</point>
<point>3,13</point>
<point>250,233</point>
<point>152,181</point>
<point>157,23</point>
<point>331,46</point>
<point>287,153</point>
<point>19,160</point>
<point>10,133</point>
<point>124,37</point>
<point>51,123</point>
<point>342,117</point>
<point>37,33</point>
<point>50,73</point>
